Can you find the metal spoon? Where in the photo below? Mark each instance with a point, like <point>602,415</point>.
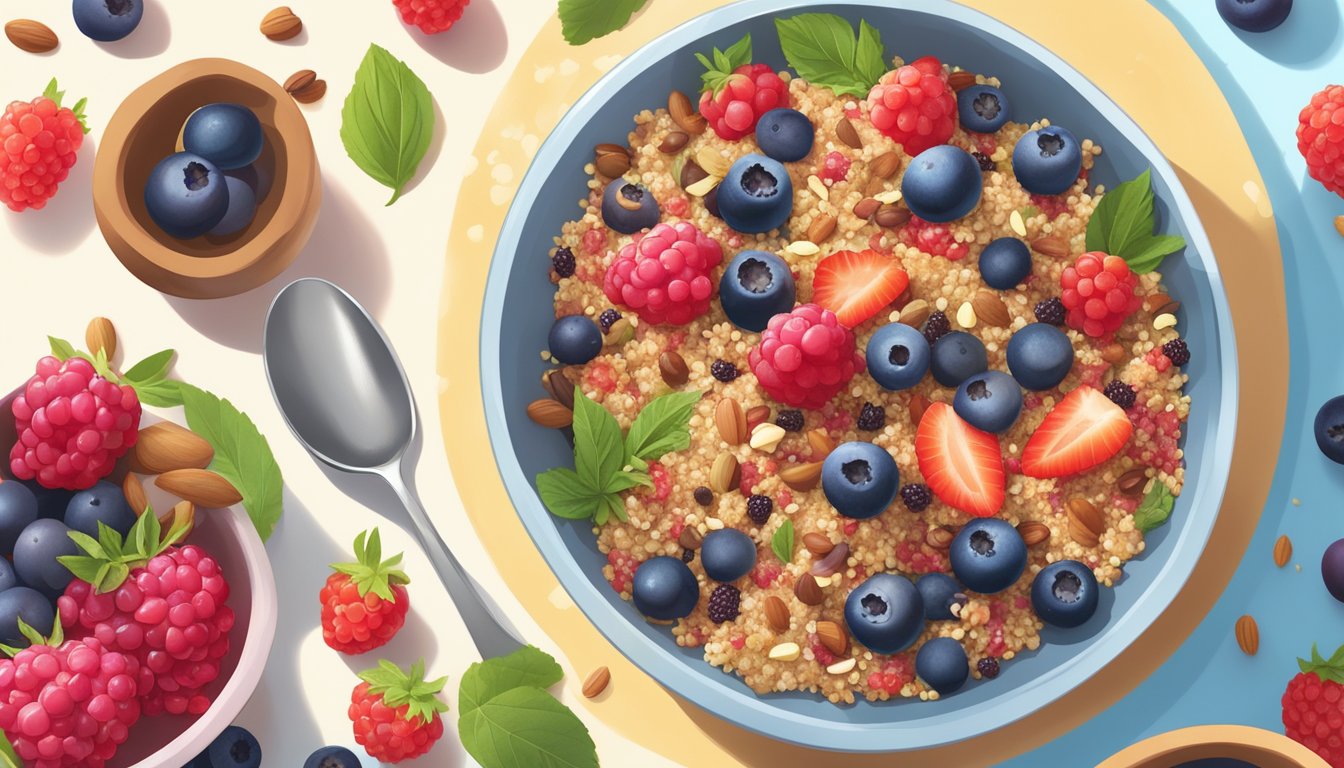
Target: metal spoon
<point>345,396</point>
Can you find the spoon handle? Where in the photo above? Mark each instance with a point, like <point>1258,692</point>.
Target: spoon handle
<point>490,630</point>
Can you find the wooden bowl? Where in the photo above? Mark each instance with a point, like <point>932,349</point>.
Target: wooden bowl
<point>1216,745</point>
<point>145,129</point>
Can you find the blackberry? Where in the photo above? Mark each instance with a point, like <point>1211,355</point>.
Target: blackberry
<point>872,418</point>
<point>607,319</point>
<point>703,496</point>
<point>1177,352</point>
<point>723,603</point>
<point>936,327</point>
<point>790,421</point>
<point>563,261</point>
<point>1120,393</point>
<point>687,555</point>
<point>723,371</point>
<point>986,165</point>
<point>1050,311</point>
<point>988,667</point>
<point>916,496</point>
<point>759,508</point>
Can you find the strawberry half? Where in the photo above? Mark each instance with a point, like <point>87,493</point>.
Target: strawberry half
<point>960,464</point>
<point>1082,431</point>
<point>857,285</point>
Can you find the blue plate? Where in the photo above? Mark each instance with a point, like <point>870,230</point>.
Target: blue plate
<point>518,313</point>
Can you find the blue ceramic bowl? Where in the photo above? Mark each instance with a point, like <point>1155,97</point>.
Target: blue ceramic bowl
<point>518,314</point>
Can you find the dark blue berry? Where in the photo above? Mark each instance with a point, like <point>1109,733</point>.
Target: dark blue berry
<point>1120,393</point>
<point>563,261</point>
<point>759,508</point>
<point>1177,352</point>
<point>607,319</point>
<point>1050,311</point>
<point>916,496</point>
<point>723,603</point>
<point>872,418</point>
<point>790,420</point>
<point>723,371</point>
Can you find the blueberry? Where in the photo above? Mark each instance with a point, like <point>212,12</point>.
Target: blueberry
<point>989,401</point>
<point>727,554</point>
<point>956,357</point>
<point>1005,263</point>
<point>942,663</point>
<point>186,195</point>
<point>235,748</point>
<point>756,196</point>
<point>1040,356</point>
<point>1254,15</point>
<point>939,591</point>
<point>18,508</point>
<point>574,339</point>
<point>108,20</point>
<point>255,177</point>
<point>898,356</point>
<point>51,502</point>
<point>785,134</point>
<point>332,757</point>
<point>1047,161</point>
<point>982,108</point>
<point>242,208</point>
<point>1064,594</point>
<point>885,613</point>
<point>8,579</point>
<point>104,503</point>
<point>988,555</point>
<point>942,183</point>
<point>228,135</point>
<point>1332,569</point>
<point>755,287</point>
<point>664,589</point>
<point>859,479</point>
<point>1330,429</point>
<point>628,208</point>
<point>28,604</point>
<point>35,555</point>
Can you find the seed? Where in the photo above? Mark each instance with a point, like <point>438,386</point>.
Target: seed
<point>961,80</point>
<point>1283,551</point>
<point>673,368</point>
<point>1019,226</point>
<point>757,414</point>
<point>725,475</point>
<point>821,228</point>
<point>832,563</point>
<point>801,477</point>
<point>550,414</point>
<point>766,437</point>
<point>134,491</point>
<point>820,442</point>
<point>891,216</point>
<point>915,313</point>
<point>312,94</point>
<point>1051,245</point>
<point>560,387</point>
<point>713,161</point>
<point>1164,320</point>
<point>842,667</point>
<point>731,421</point>
<point>990,309</point>
<point>845,131</point>
<point>101,335</point>
<point>888,197</point>
<point>620,333</point>
<point>817,543</point>
<point>1033,532</point>
<point>690,537</point>
<point>777,613</point>
<point>833,636</point>
<point>966,315</point>
<point>818,189</point>
<point>802,248</point>
<point>596,683</point>
<point>703,496</point>
<point>785,652</point>
<point>884,166</point>
<point>808,591</point>
<point>1131,483</point>
<point>300,80</point>
<point>673,143</point>
<point>281,24</point>
<point>704,186</point>
<point>684,115</point>
<point>613,165</point>
<point>1248,635</point>
<point>31,36</point>
<point>866,207</point>
<point>1085,522</point>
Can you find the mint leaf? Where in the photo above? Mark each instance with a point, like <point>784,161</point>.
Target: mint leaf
<point>1147,254</point>
<point>160,394</point>
<point>599,449</point>
<point>823,49</point>
<point>63,350</point>
<point>387,120</point>
<point>782,542</point>
<point>8,757</point>
<point>1123,224</point>
<point>1155,509</point>
<point>567,495</point>
<point>526,728</point>
<point>584,20</point>
<point>718,71</point>
<point>152,368</point>
<point>484,680</point>
<point>662,426</point>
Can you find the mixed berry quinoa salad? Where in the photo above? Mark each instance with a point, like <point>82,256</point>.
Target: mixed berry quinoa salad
<point>867,382</point>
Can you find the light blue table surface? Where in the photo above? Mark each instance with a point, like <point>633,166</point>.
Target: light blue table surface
<point>1267,79</point>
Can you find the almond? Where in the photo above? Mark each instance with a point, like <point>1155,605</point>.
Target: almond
<point>874,186</point>
<point>777,613</point>
<point>673,368</point>
<point>801,477</point>
<point>818,543</point>
<point>866,207</point>
<point>690,537</point>
<point>550,414</point>
<point>846,132</point>
<point>757,415</point>
<point>918,405</point>
<point>915,313</point>
<point>281,24</point>
<point>300,80</point>
<point>1051,245</point>
<point>892,216</point>
<point>1155,302</point>
<point>134,491</point>
<point>725,474</point>
<point>1283,551</point>
<point>713,161</point>
<point>596,683</point>
<point>821,228</point>
<point>940,537</point>
<point>1339,224</point>
<point>1033,533</point>
<point>731,421</point>
<point>1113,353</point>
<point>313,93</point>
<point>833,636</point>
<point>201,487</point>
<point>674,142</point>
<point>961,80</point>
<point>31,36</point>
<point>808,591</point>
<point>990,309</point>
<point>612,164</point>
<point>1085,522</point>
<point>885,165</point>
<point>1131,483</point>
<point>684,115</point>
<point>164,447</point>
<point>1248,635</point>
<point>101,335</point>
<point>559,386</point>
<point>821,443</point>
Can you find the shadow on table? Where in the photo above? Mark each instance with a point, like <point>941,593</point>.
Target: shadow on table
<point>476,44</point>
<point>68,218</point>
<point>345,249</point>
<point>432,153</point>
<point>149,39</point>
<point>1309,37</point>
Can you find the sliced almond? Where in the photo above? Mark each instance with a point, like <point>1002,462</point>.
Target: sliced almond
<point>819,189</point>
<point>200,486</point>
<point>100,335</point>
<point>596,683</point>
<point>713,161</point>
<point>1033,532</point>
<point>725,475</point>
<point>684,115</point>
<point>918,405</point>
<point>182,513</point>
<point>1086,525</point>
<point>704,186</point>
<point>1283,551</point>
<point>1248,635</point>
<point>785,652</point>
<point>990,309</point>
<point>165,446</point>
<point>833,636</point>
<point>939,537</point>
<point>821,228</point>
<point>808,591</point>
<point>888,197</point>
<point>281,24</point>
<point>1018,226</point>
<point>842,667</point>
<point>961,80</point>
<point>690,537</point>
<point>1132,482</point>
<point>1051,245</point>
<point>802,248</point>
<point>846,132</point>
<point>866,207</point>
<point>818,543</point>
<point>1164,321</point>
<point>820,442</point>
<point>674,142</point>
<point>31,36</point>
<point>731,421</point>
<point>915,313</point>
<point>966,316</point>
<point>673,368</point>
<point>550,414</point>
<point>777,613</point>
<point>134,491</point>
<point>766,437</point>
<point>885,165</point>
<point>801,477</point>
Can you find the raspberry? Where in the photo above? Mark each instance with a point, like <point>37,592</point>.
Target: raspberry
<point>759,508</point>
<point>723,603</point>
<point>73,425</point>
<point>835,168</point>
<point>871,418</point>
<point>1098,292</point>
<point>988,667</point>
<point>41,141</point>
<point>563,262</point>
<point>723,371</point>
<point>431,16</point>
<point>1177,352</point>
<point>395,712</point>
<point>916,496</point>
<point>1050,311</point>
<point>737,92</point>
<point>365,602</point>
<point>933,239</point>
<point>1320,137</point>
<point>790,420</point>
<point>664,276</point>
<point>892,676</point>
<point>607,319</point>
<point>914,106</point>
<point>936,326</point>
<point>765,573</point>
<point>805,357</point>
<point>1120,393</point>
<point>1313,706</point>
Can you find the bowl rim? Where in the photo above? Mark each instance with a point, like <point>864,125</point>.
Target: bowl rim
<point>752,711</point>
<point>1242,742</point>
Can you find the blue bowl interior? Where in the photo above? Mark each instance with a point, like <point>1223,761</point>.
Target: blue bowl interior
<point>518,313</point>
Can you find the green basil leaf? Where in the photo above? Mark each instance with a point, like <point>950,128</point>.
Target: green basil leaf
<point>1124,216</point>
<point>870,58</point>
<point>599,448</point>
<point>782,542</point>
<point>387,120</point>
<point>1155,509</point>
<point>152,369</point>
<point>823,49</point>
<point>526,728</point>
<point>584,20</point>
<point>1146,254</point>
<point>484,680</point>
<point>662,426</point>
<point>566,495</point>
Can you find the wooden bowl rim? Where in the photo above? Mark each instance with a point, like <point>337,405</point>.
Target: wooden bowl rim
<point>1241,742</point>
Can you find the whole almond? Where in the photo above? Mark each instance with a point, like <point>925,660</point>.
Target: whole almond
<point>201,487</point>
<point>820,442</point>
<point>1283,551</point>
<point>1033,533</point>
<point>821,228</point>
<point>559,386</point>
<point>684,115</point>
<point>1248,635</point>
<point>690,537</point>
<point>885,165</point>
<point>990,309</point>
<point>674,142</point>
<point>673,368</point>
<point>777,613</point>
<point>101,335</point>
<point>313,93</point>
<point>918,405</point>
<point>961,80</point>
<point>300,80</point>
<point>164,447</point>
<point>731,421</point>
<point>1131,483</point>
<point>134,491</point>
<point>550,414</point>
<point>939,537</point>
<point>808,591</point>
<point>818,543</point>
<point>866,207</point>
<point>915,313</point>
<point>891,216</point>
<point>757,415</point>
<point>613,165</point>
<point>833,636</point>
<point>1051,245</point>
<point>281,24</point>
<point>1113,353</point>
<point>725,474</point>
<point>1339,224</point>
<point>1155,302</point>
<point>801,477</point>
<point>1085,522</point>
<point>846,132</point>
<point>596,683</point>
<point>31,36</point>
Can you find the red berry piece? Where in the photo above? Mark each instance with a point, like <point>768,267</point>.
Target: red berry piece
<point>914,106</point>
<point>1083,430</point>
<point>856,286</point>
<point>395,712</point>
<point>737,92</point>
<point>835,168</point>
<point>41,140</point>
<point>364,603</point>
<point>664,277</point>
<point>431,16</point>
<point>1313,706</point>
<point>1320,137</point>
<point>805,357</point>
<point>934,239</point>
<point>1098,293</point>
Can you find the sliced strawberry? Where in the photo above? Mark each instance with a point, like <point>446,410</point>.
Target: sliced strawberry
<point>960,464</point>
<point>857,285</point>
<point>1082,431</point>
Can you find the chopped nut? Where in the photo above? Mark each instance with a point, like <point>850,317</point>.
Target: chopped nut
<point>842,667</point>
<point>785,652</point>
<point>766,437</point>
<point>1164,320</point>
<point>1019,226</point>
<point>819,189</point>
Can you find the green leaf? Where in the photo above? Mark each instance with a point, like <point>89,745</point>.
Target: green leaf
<point>370,572</point>
<point>387,120</point>
<point>624,481</point>
<point>406,687</point>
<point>824,50</point>
<point>484,680</point>
<point>109,539</point>
<point>584,20</point>
<point>160,394</point>
<point>662,426</point>
<point>242,455</point>
<point>782,542</point>
<point>8,757</point>
<point>149,377</point>
<point>1124,215</point>
<point>89,544</point>
<point>599,448</point>
<point>718,70</point>
<point>61,349</point>
<point>1330,670</point>
<point>1146,254</point>
<point>567,495</point>
<point>526,728</point>
<point>1155,508</point>
<point>86,569</point>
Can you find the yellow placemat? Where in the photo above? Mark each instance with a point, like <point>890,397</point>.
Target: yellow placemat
<point>1142,63</point>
